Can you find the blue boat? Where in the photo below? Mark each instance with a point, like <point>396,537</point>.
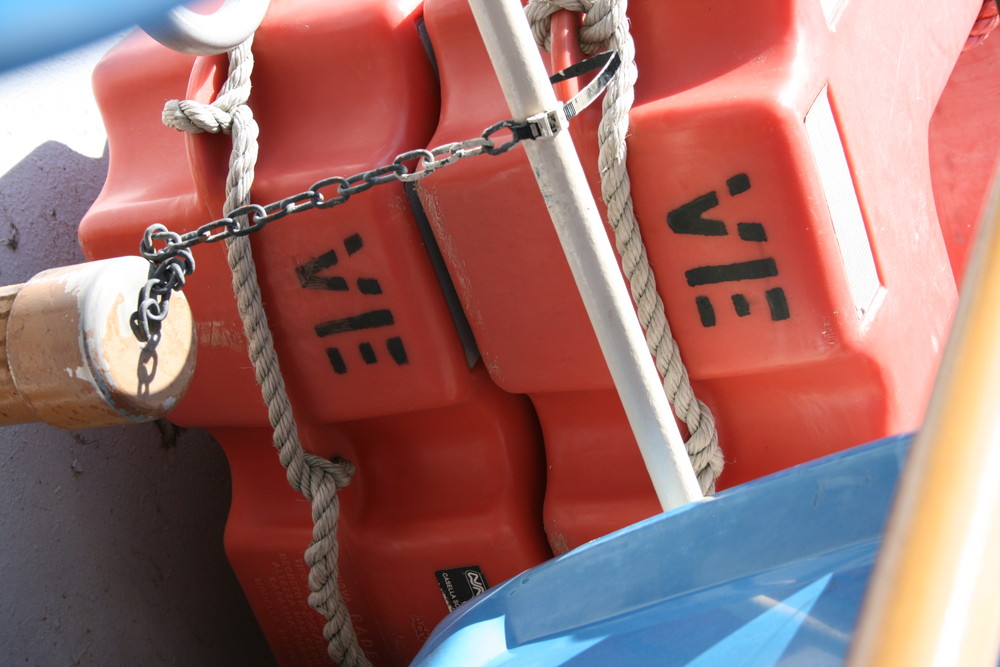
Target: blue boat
<point>770,572</point>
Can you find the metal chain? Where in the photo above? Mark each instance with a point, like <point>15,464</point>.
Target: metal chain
<point>170,255</point>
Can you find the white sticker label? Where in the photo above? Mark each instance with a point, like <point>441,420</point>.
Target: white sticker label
<point>842,201</point>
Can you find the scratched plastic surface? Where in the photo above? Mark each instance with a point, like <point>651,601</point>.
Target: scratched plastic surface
<point>770,572</point>
<point>778,161</point>
<point>447,495</point>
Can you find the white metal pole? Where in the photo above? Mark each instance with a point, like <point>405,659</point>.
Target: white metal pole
<point>574,213</point>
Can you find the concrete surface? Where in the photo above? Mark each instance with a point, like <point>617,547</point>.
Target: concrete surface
<point>111,538</point>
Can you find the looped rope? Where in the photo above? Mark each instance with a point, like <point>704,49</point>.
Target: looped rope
<point>195,117</point>
<point>600,17</point>
<point>599,21</point>
<point>316,478</point>
<point>605,26</point>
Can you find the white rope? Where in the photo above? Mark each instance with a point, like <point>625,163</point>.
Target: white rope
<point>316,478</point>
<point>605,26</point>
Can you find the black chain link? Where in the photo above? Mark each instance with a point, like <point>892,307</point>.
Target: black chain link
<point>172,260</point>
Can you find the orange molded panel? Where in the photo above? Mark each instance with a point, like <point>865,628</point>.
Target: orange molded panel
<point>778,160</point>
<point>341,285</point>
<point>450,468</point>
<point>778,157</point>
<point>452,489</point>
<point>351,288</point>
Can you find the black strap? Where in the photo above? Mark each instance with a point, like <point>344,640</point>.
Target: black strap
<point>608,62</point>
<point>548,123</point>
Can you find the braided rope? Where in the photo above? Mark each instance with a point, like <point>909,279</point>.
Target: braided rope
<point>314,477</point>
<point>605,25</point>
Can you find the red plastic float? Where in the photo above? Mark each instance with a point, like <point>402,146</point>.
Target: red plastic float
<point>450,473</point>
<point>778,159</point>
<point>779,163</point>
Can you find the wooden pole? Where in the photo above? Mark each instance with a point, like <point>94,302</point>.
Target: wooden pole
<point>13,408</point>
<point>68,356</point>
<point>935,592</point>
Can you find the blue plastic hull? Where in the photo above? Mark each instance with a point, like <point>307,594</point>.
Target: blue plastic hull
<point>770,572</point>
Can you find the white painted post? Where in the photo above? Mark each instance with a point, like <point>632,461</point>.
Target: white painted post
<point>574,213</point>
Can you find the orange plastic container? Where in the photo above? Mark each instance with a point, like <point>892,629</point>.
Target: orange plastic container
<point>443,499</point>
<point>778,156</point>
<point>778,159</point>
<point>450,473</point>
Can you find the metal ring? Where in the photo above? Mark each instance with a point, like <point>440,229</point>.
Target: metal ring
<point>208,34</point>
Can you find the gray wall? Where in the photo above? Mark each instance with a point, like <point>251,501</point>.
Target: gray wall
<point>111,538</point>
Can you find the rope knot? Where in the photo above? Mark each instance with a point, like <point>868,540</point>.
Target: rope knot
<point>195,117</point>
<point>598,23</point>
<point>315,477</point>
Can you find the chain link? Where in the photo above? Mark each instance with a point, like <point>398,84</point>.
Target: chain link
<point>170,254</point>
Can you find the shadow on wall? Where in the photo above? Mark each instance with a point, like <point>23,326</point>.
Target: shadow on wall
<point>42,200</point>
<point>112,537</point>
